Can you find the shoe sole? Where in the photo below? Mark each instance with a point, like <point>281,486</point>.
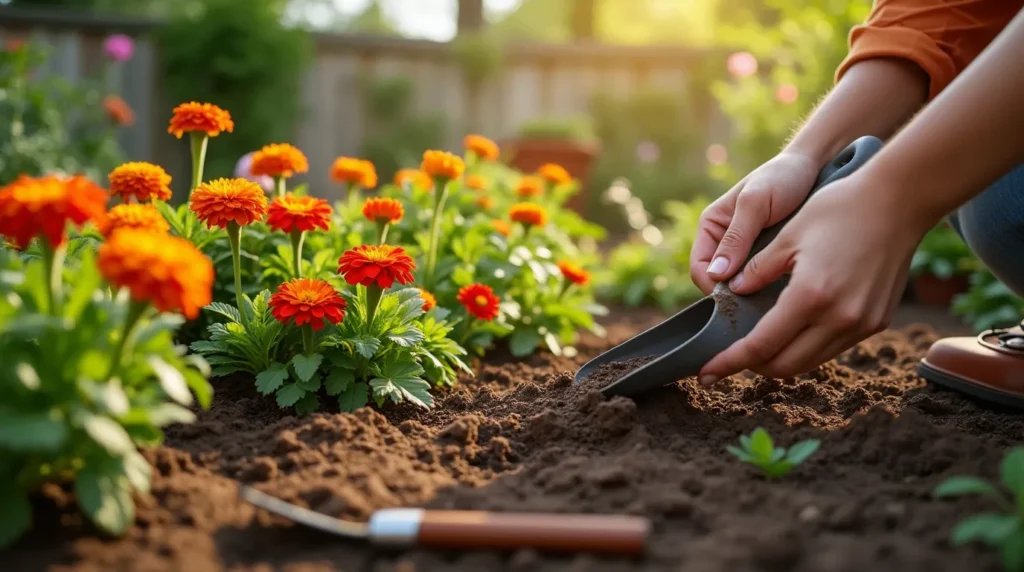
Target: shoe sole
<point>973,389</point>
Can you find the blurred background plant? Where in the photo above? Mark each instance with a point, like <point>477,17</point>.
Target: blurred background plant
<point>397,135</point>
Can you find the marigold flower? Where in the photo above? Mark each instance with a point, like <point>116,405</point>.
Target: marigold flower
<point>167,271</point>
<point>292,212</point>
<point>376,264</point>
<point>429,301</point>
<point>481,146</point>
<point>387,210</point>
<point>222,201</point>
<point>476,182</point>
<point>442,165</point>
<point>134,215</point>
<point>414,177</point>
<point>480,301</point>
<point>501,227</point>
<point>359,172</point>
<point>529,214</point>
<point>206,117</point>
<point>43,206</point>
<point>574,273</point>
<point>307,301</point>
<point>529,187</point>
<point>554,174</point>
<point>118,110</point>
<point>141,180</point>
<point>485,202</point>
<point>278,160</point>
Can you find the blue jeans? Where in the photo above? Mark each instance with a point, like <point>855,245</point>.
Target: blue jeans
<point>992,225</point>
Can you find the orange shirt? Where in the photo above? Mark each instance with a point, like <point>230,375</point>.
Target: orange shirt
<point>940,36</point>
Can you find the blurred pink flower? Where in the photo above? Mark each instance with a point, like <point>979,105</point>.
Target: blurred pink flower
<point>648,151</point>
<point>787,93</point>
<point>742,64</point>
<point>717,154</point>
<point>243,170</point>
<point>119,47</point>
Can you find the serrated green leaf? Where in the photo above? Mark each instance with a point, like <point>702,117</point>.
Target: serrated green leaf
<point>342,360</point>
<point>309,403</point>
<point>15,515</point>
<point>271,379</point>
<point>289,395</point>
<point>761,445</point>
<point>988,527</point>
<point>31,431</point>
<point>339,380</point>
<point>108,433</point>
<point>311,385</point>
<point>171,380</point>
<point>306,365</point>
<point>801,451</point>
<point>366,346</point>
<point>105,499</point>
<point>1011,471</point>
<point>958,486</point>
<point>228,311</point>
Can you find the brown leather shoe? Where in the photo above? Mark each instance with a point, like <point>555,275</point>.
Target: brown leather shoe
<point>989,366</point>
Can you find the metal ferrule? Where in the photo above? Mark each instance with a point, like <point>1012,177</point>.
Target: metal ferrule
<point>396,526</point>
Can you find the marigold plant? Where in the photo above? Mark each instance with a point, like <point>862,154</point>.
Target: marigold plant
<point>442,165</point>
<point>429,301</point>
<point>296,215</point>
<point>306,301</point>
<point>480,301</point>
<point>554,174</point>
<point>380,265</point>
<point>383,210</point>
<point>476,182</point>
<point>485,203</point>
<point>134,216</point>
<point>354,173</point>
<point>574,273</point>
<point>413,177</point>
<point>204,118</point>
<point>278,161</point>
<point>529,187</point>
<point>140,181</point>
<point>481,147</point>
<point>528,214</point>
<point>222,202</point>
<point>501,227</point>
<point>118,111</point>
<point>43,207</point>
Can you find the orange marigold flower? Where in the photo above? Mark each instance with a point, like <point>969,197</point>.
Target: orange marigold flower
<point>307,301</point>
<point>141,180</point>
<point>501,227</point>
<point>529,187</point>
<point>118,110</point>
<point>574,273</point>
<point>205,117</point>
<point>134,215</point>
<point>442,165</point>
<point>167,271</point>
<point>222,201</point>
<point>43,206</point>
<point>554,173</point>
<point>485,203</point>
<point>429,301</point>
<point>359,172</point>
<point>480,301</point>
<point>292,212</point>
<point>382,264</point>
<point>476,182</point>
<point>529,214</point>
<point>378,209</point>
<point>278,160</point>
<point>481,146</point>
<point>414,177</point>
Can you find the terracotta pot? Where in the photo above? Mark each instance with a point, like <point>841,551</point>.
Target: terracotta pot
<point>934,291</point>
<point>527,155</point>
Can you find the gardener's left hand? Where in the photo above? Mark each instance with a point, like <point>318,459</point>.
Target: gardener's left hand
<point>848,252</point>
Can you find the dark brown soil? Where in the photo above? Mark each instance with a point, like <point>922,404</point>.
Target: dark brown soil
<point>522,437</point>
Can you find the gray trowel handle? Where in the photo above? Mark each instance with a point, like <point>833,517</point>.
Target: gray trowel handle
<point>846,162</point>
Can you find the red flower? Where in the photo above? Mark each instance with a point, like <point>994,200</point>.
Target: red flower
<point>574,273</point>
<point>429,301</point>
<point>528,214</point>
<point>381,264</point>
<point>303,213</point>
<point>480,301</point>
<point>307,301</point>
<point>378,209</point>
<point>43,206</point>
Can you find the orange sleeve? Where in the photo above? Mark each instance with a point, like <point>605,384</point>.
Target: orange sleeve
<point>940,36</point>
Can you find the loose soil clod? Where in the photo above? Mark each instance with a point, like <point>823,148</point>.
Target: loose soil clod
<point>522,437</point>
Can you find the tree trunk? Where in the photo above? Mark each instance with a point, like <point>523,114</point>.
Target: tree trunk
<point>582,18</point>
<point>471,15</point>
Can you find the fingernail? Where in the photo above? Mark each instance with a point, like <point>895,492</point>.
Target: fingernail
<point>736,282</point>
<point>718,265</point>
<point>709,380</point>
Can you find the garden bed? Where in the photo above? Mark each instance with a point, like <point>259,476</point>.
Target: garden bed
<point>520,436</point>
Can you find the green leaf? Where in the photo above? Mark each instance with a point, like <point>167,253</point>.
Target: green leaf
<point>226,310</point>
<point>1012,551</point>
<point>309,403</point>
<point>339,379</point>
<point>739,454</point>
<point>402,380</point>
<point>354,397</point>
<point>761,445</point>
<point>1011,471</point>
<point>306,366</point>
<point>745,442</point>
<point>269,380</point>
<point>523,341</point>
<point>959,486</point>
<point>31,431</point>
<point>366,346</point>
<point>168,413</point>
<point>200,386</point>
<point>105,498</point>
<point>137,470</point>
<point>801,451</point>
<point>86,281</point>
<point>15,515</point>
<point>289,395</point>
<point>171,380</point>
<point>107,433</point>
<point>342,360</point>
<point>312,385</point>
<point>988,527</point>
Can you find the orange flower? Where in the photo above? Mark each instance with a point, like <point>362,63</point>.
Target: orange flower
<point>501,227</point>
<point>481,146</point>
<point>476,182</point>
<point>485,203</point>
<point>528,214</point>
<point>278,160</point>
<point>134,215</point>
<point>381,264</point>
<point>480,301</point>
<point>442,165</point>
<point>144,181</point>
<point>222,201</point>
<point>414,177</point>
<point>166,271</point>
<point>292,212</point>
<point>529,187</point>
<point>206,117</point>
<point>554,173</point>
<point>31,207</point>
<point>574,273</point>
<point>429,301</point>
<point>118,110</point>
<point>357,172</point>
<point>383,210</point>
<point>307,301</point>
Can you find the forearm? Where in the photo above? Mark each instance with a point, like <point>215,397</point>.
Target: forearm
<point>875,97</point>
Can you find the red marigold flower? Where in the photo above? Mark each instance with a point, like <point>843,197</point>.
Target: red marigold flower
<point>501,227</point>
<point>481,146</point>
<point>476,182</point>
<point>379,209</point>
<point>529,187</point>
<point>141,180</point>
<point>554,173</point>
<point>528,214</point>
<point>292,212</point>
<point>414,177</point>
<point>442,165</point>
<point>376,264</point>
<point>429,301</point>
<point>278,160</point>
<point>118,110</point>
<point>205,117</point>
<point>222,201</point>
<point>307,301</point>
<point>480,301</point>
<point>574,273</point>
<point>134,215</point>
<point>43,206</point>
<point>353,171</point>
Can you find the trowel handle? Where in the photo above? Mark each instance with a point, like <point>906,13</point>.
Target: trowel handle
<point>845,163</point>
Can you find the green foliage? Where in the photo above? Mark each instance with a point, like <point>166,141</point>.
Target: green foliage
<point>988,303</point>
<point>1001,530</point>
<point>396,135</point>
<point>252,346</point>
<point>577,129</point>
<point>757,449</point>
<point>942,253</point>
<point>480,54</point>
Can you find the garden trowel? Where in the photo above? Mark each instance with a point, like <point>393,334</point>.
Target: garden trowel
<point>680,346</point>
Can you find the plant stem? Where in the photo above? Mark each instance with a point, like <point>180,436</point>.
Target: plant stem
<point>53,259</point>
<point>298,238</point>
<point>135,311</point>
<point>197,143</point>
<point>235,238</point>
<point>307,339</point>
<point>382,231</point>
<point>373,295</point>
<point>435,231</point>
<point>280,185</point>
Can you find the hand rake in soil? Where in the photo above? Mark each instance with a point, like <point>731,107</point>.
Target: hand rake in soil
<point>684,343</point>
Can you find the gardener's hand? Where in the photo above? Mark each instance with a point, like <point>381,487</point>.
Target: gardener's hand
<point>848,252</point>
<point>729,225</point>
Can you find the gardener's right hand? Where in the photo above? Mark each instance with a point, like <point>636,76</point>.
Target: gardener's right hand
<point>729,225</point>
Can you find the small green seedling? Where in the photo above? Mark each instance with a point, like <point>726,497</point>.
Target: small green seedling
<point>759,450</point>
<point>1002,530</point>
